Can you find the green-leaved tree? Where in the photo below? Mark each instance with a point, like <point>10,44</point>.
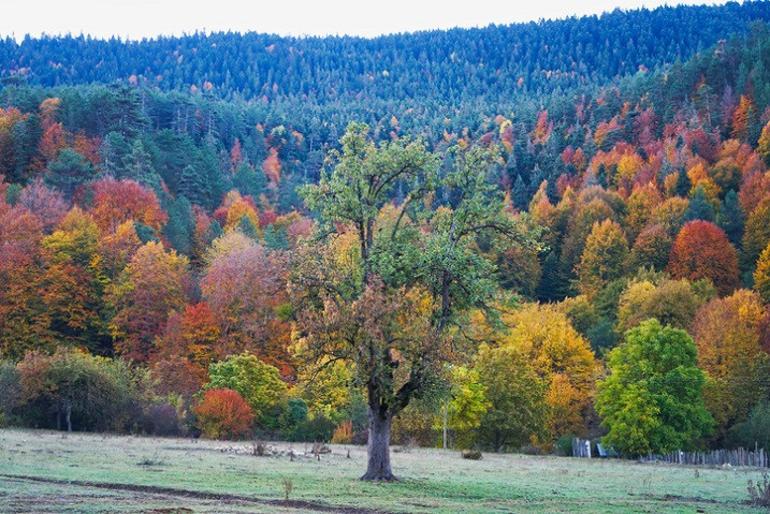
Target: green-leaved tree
<point>395,266</point>
<point>652,400</point>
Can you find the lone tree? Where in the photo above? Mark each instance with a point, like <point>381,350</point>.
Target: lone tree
<point>386,282</point>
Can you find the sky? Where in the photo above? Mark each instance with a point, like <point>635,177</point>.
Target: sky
<point>136,19</point>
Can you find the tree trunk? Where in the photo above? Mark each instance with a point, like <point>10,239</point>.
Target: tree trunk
<point>446,420</point>
<point>69,417</point>
<point>378,447</point>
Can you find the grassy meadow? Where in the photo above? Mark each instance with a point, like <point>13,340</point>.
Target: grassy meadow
<point>42,471</point>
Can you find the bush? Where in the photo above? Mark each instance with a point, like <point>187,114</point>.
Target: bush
<point>755,430</point>
<point>258,383</point>
<point>224,414</point>
<point>288,486</point>
<point>343,434</point>
<point>10,391</point>
<point>294,415</point>
<point>75,390</point>
<point>162,419</point>
<point>564,445</point>
<point>318,428</point>
<point>416,425</point>
<point>759,491</point>
<point>360,437</point>
<point>532,449</point>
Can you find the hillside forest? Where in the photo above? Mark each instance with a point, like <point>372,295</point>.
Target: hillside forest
<point>495,238</point>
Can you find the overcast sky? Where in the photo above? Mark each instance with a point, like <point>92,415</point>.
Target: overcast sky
<point>136,19</point>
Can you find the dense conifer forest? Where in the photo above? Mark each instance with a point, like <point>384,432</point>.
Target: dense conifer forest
<point>568,219</point>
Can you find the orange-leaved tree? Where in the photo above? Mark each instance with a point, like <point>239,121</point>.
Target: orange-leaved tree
<point>224,414</point>
<point>729,333</point>
<point>149,289</point>
<point>117,201</point>
<point>702,250</point>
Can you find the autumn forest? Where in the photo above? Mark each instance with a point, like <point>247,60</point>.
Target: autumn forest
<point>494,239</point>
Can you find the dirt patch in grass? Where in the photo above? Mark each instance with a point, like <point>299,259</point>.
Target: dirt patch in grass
<point>172,510</point>
<point>687,500</point>
<point>199,495</point>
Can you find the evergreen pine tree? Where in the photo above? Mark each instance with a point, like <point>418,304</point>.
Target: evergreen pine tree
<point>552,283</point>
<point>139,165</point>
<point>25,135</point>
<point>218,183</point>
<point>519,194</point>
<point>731,218</point>
<point>68,171</point>
<point>180,226</point>
<point>146,234</point>
<point>247,228</point>
<point>193,186</point>
<point>213,232</point>
<point>700,208</point>
<point>601,175</point>
<point>275,239</point>
<point>682,183</point>
<point>113,152</point>
<point>248,181</point>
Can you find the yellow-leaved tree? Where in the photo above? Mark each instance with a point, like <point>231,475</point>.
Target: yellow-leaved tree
<point>560,357</point>
<point>728,333</point>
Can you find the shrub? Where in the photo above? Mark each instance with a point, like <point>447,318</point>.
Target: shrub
<point>318,428</point>
<point>415,424</point>
<point>343,434</point>
<point>293,416</point>
<point>258,383</point>
<point>162,419</point>
<point>533,448</point>
<point>10,391</point>
<point>224,414</point>
<point>260,449</point>
<point>564,445</point>
<point>755,430</point>
<point>75,390</point>
<point>288,487</point>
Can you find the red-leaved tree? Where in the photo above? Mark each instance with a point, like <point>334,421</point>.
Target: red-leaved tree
<point>245,289</point>
<point>117,201</point>
<point>702,250</point>
<point>224,414</point>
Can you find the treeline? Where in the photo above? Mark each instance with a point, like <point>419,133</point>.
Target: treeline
<point>149,252</point>
<point>454,66</point>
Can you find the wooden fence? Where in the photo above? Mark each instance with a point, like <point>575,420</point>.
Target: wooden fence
<point>738,457</point>
<point>757,458</point>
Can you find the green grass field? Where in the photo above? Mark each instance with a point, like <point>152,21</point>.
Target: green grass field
<point>43,471</point>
